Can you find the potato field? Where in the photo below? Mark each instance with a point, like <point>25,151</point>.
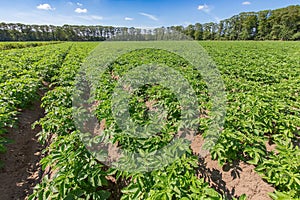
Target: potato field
<point>243,106</point>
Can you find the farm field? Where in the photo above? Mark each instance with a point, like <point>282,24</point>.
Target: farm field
<point>260,136</point>
<point>20,45</point>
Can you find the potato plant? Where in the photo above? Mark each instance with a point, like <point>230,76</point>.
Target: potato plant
<point>21,76</point>
<point>262,84</point>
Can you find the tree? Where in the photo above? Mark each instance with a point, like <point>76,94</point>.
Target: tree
<point>264,28</point>
<point>248,26</point>
<point>190,31</point>
<point>198,35</point>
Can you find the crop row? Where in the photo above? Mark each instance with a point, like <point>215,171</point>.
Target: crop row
<point>20,45</point>
<point>263,87</point>
<point>22,74</point>
<point>77,174</point>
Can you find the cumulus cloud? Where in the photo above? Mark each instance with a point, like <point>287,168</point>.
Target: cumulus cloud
<point>149,16</point>
<point>45,6</point>
<point>79,4</point>
<point>204,8</point>
<point>246,3</point>
<point>128,18</point>
<point>81,10</point>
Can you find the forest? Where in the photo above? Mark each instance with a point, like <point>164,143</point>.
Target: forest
<point>279,24</point>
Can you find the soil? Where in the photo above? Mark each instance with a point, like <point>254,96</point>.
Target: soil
<point>231,180</point>
<point>21,171</point>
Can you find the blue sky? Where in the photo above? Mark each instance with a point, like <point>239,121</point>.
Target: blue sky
<point>137,13</point>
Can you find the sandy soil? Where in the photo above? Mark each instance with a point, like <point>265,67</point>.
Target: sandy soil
<point>232,180</point>
<point>21,171</point>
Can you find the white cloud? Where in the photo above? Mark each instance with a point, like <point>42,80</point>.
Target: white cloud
<point>149,16</point>
<point>204,8</point>
<point>45,6</point>
<point>80,10</point>
<point>201,7</point>
<point>128,19</point>
<point>246,3</point>
<point>79,4</point>
<point>92,17</point>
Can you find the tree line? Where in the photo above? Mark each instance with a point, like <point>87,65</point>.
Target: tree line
<point>279,24</point>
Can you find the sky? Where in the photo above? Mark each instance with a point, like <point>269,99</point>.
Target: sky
<point>130,13</point>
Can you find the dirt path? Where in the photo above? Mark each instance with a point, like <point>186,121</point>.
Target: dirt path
<point>234,180</point>
<point>21,171</point>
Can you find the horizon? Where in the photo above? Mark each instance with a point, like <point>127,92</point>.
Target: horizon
<point>129,13</point>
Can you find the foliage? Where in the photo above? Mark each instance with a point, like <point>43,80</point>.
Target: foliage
<point>290,195</point>
<point>176,181</point>
<point>67,154</point>
<point>262,86</point>
<point>76,174</point>
<point>21,76</point>
<point>282,169</point>
<point>156,95</point>
<point>20,45</point>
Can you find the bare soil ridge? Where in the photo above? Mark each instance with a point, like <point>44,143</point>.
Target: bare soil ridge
<point>231,180</point>
<point>22,170</point>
